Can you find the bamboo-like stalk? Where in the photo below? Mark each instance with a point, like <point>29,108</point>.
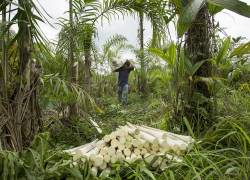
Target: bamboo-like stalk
<point>84,148</point>
<point>94,171</point>
<point>106,158</point>
<point>127,152</point>
<point>188,139</point>
<point>130,143</point>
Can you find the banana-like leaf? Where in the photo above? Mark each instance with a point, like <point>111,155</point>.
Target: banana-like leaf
<point>213,9</point>
<point>159,52</point>
<point>223,51</point>
<point>241,50</point>
<point>236,6</point>
<point>190,68</point>
<point>197,66</point>
<point>187,15</point>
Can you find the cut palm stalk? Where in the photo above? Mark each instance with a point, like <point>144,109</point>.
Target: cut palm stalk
<point>127,152</point>
<point>111,151</point>
<point>98,160</point>
<point>164,135</point>
<point>113,159</point>
<point>122,139</point>
<point>114,143</point>
<point>137,152</point>
<point>129,138</point>
<point>164,144</point>
<point>155,148</point>
<point>106,158</point>
<point>143,151</point>
<point>94,171</point>
<point>113,135</point>
<point>92,152</point>
<point>188,139</point>
<point>100,144</point>
<point>135,143</point>
<point>107,138</point>
<point>146,145</point>
<point>104,151</point>
<point>178,145</point>
<point>83,149</point>
<point>147,137</point>
<point>120,155</point>
<point>121,147</point>
<point>133,130</point>
<point>153,133</point>
<point>121,132</point>
<point>105,173</point>
<point>128,144</point>
<point>92,157</point>
<point>141,143</point>
<point>133,157</point>
<point>103,166</point>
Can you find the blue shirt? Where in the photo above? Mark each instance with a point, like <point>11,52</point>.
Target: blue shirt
<point>123,77</point>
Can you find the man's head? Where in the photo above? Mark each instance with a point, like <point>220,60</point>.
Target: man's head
<point>127,63</point>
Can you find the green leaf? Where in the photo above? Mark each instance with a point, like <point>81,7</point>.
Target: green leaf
<point>159,52</point>
<point>189,129</point>
<point>197,66</point>
<point>187,15</point>
<point>213,9</point>
<point>241,50</point>
<point>236,6</point>
<point>223,51</point>
<point>147,172</point>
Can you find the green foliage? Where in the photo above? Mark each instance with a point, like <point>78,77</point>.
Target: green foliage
<point>222,149</point>
<point>223,51</point>
<point>189,11</point>
<point>40,162</point>
<point>241,50</point>
<point>187,15</point>
<point>236,6</point>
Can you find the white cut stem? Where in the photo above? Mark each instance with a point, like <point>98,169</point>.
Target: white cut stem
<point>127,152</point>
<point>187,139</point>
<point>98,160</point>
<point>94,171</point>
<point>84,148</point>
<point>106,158</point>
<point>103,166</point>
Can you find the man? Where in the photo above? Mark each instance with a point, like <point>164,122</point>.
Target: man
<point>123,81</point>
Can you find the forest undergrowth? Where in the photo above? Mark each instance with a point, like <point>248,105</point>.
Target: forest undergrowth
<point>222,152</point>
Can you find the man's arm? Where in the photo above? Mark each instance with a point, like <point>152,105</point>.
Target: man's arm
<point>131,67</point>
<point>118,69</point>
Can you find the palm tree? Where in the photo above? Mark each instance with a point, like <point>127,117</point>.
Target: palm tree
<point>20,111</point>
<point>71,58</point>
<point>88,31</point>
<point>93,11</point>
<point>157,14</point>
<point>4,78</point>
<point>195,19</point>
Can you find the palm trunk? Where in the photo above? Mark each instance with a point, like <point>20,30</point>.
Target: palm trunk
<point>73,65</point>
<point>197,48</point>
<point>4,64</point>
<point>87,55</point>
<point>142,79</point>
<point>87,71</point>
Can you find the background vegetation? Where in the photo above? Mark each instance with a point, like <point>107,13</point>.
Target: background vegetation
<point>51,94</point>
